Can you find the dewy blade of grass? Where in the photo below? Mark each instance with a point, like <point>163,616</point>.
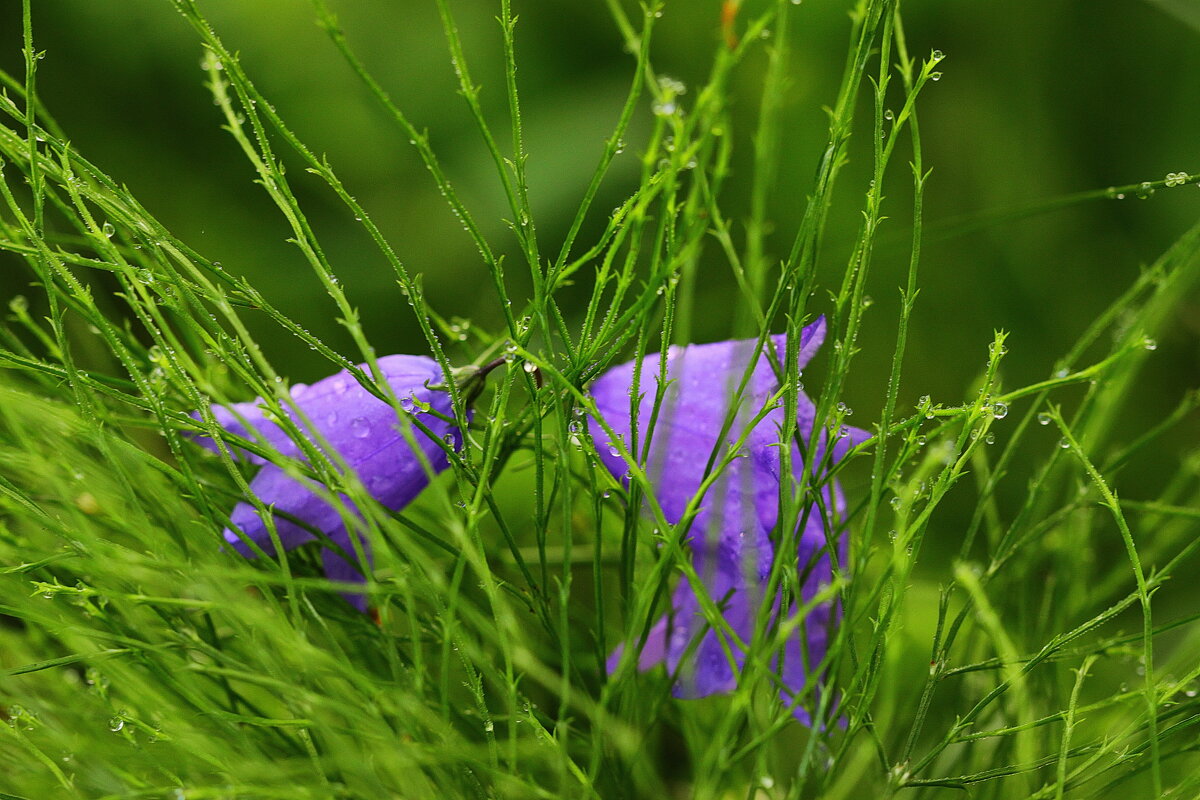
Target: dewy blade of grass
<point>420,141</point>
<point>1110,500</point>
<point>1007,651</point>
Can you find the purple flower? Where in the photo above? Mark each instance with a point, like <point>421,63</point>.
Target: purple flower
<point>363,431</point>
<point>729,538</point>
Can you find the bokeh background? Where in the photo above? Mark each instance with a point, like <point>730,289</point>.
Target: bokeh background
<point>1038,100</point>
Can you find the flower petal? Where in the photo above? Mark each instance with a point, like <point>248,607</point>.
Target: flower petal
<point>343,419</point>
<point>730,535</point>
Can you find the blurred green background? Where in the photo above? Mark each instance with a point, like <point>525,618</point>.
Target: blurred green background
<point>1038,100</point>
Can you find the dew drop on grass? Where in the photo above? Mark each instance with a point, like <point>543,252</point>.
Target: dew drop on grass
<point>921,440</point>
<point>116,724</point>
<point>896,502</point>
<point>990,438</point>
<point>1043,418</point>
<point>1063,443</point>
<point>1145,190</point>
<point>999,410</point>
<point>1150,344</point>
<point>108,230</point>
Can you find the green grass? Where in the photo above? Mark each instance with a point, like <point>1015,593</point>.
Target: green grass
<point>1013,625</point>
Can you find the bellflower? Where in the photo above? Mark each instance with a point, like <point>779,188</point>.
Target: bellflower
<point>365,434</point>
<point>729,538</point>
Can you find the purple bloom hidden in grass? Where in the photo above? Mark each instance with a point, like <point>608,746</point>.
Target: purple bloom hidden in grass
<point>729,538</point>
<point>367,436</point>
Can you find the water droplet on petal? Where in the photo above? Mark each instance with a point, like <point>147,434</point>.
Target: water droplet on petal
<point>360,428</point>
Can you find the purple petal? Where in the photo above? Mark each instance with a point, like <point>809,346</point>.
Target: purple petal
<point>729,536</point>
<point>341,570</point>
<point>362,431</point>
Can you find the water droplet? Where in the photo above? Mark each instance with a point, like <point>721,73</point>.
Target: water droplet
<point>990,438</point>
<point>937,55</point>
<point>1063,443</point>
<point>1176,178</point>
<point>999,409</point>
<point>108,230</point>
<point>613,450</point>
<point>529,366</point>
<point>1062,372</point>
<point>116,724</point>
<point>845,410</point>
<point>489,726</point>
<point>339,385</point>
<point>1043,418</point>
<point>896,502</point>
<point>360,428</point>
<point>889,115</point>
<point>935,76</point>
<point>921,440</point>
<point>924,401</point>
<point>1145,190</point>
<point>573,427</point>
<point>1150,344</point>
<point>331,418</point>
